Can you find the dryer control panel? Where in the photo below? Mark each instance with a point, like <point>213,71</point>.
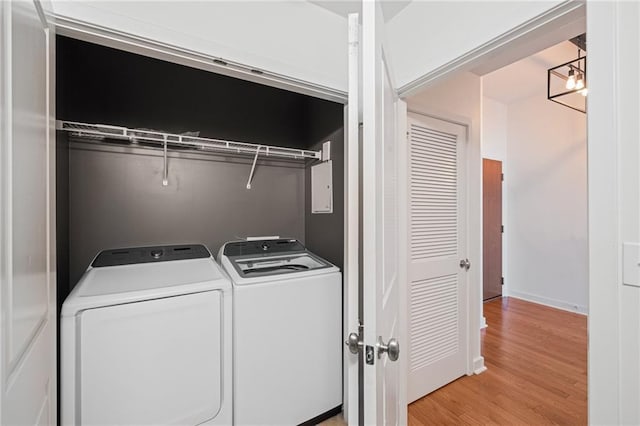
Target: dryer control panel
<point>133,255</point>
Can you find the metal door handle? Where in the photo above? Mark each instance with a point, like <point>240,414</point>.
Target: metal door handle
<point>392,349</point>
<point>464,263</point>
<point>354,343</point>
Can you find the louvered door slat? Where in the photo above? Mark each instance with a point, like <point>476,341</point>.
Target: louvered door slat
<point>427,178</point>
<point>433,343</point>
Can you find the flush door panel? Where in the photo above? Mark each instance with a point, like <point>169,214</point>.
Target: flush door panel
<point>152,362</point>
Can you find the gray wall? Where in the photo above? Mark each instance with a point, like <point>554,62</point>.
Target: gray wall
<point>116,199</point>
<point>324,233</point>
<point>62,217</point>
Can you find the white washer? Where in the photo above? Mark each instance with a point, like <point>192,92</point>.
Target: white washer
<point>146,339</point>
<point>287,330</point>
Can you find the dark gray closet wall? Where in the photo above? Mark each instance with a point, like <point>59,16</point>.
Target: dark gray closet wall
<point>117,200</point>
<point>324,233</point>
<point>114,194</point>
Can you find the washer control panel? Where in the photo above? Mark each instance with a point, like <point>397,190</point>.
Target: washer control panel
<point>248,248</point>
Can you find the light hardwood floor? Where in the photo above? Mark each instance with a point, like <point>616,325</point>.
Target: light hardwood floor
<point>537,372</point>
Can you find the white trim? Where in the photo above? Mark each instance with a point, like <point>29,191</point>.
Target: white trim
<point>41,14</point>
<point>547,301</point>
<point>478,365</point>
<point>483,323</point>
<point>482,52</point>
<point>5,134</point>
<point>351,273</point>
<point>604,182</point>
<point>403,250</point>
<point>441,115</point>
<point>109,37</point>
<point>52,254</point>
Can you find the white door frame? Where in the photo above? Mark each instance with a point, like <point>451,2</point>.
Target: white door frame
<point>553,21</point>
<point>614,211</point>
<point>612,192</point>
<point>351,270</point>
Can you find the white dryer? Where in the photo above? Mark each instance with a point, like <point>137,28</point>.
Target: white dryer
<point>287,333</point>
<point>146,339</point>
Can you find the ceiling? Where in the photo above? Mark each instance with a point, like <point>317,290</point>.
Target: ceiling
<point>390,8</point>
<point>528,76</point>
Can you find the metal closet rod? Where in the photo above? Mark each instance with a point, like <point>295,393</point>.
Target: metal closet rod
<point>164,139</point>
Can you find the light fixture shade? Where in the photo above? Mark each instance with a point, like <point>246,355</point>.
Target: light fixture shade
<point>567,84</point>
<point>571,80</point>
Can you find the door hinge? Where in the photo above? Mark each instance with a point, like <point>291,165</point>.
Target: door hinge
<point>501,280</point>
<point>502,177</point>
<point>502,229</point>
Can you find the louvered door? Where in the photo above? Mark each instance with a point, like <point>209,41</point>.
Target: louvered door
<point>437,243</point>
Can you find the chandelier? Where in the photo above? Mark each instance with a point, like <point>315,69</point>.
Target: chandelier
<point>567,83</point>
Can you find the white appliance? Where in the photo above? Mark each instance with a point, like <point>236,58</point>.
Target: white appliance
<point>287,328</point>
<point>146,340</point>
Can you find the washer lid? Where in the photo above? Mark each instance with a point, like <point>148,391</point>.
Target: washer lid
<point>110,285</point>
<point>277,264</point>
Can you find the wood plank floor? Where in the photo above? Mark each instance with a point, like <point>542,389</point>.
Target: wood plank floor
<point>537,372</point>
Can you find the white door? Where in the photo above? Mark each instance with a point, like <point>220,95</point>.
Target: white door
<point>437,261</point>
<point>27,240</point>
<point>384,386</point>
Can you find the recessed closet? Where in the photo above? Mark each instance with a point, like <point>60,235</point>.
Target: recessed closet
<point>110,191</point>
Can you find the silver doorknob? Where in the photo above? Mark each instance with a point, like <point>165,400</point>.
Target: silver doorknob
<point>464,263</point>
<point>353,343</point>
<point>392,349</point>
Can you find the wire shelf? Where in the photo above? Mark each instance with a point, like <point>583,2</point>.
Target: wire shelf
<point>103,131</point>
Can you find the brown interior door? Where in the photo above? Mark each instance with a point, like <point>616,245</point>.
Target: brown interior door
<point>492,228</point>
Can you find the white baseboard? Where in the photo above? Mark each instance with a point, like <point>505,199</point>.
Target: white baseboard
<point>553,303</point>
<point>478,365</point>
<point>483,323</point>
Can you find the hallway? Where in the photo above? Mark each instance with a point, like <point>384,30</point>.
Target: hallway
<point>537,372</point>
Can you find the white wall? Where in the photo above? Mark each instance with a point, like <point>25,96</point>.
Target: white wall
<point>494,129</point>
<point>428,34</point>
<point>458,99</point>
<point>546,191</point>
<point>494,147</point>
<point>614,211</point>
<point>293,38</point>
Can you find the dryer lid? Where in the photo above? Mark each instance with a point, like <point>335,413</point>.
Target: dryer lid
<point>110,285</point>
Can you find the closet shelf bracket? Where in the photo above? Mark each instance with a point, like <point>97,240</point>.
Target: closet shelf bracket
<point>165,176</point>
<point>253,167</point>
